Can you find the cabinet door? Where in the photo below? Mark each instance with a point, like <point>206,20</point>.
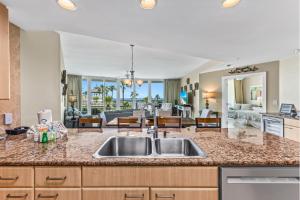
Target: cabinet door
<point>115,194</point>
<point>13,194</point>
<point>57,194</point>
<point>15,177</point>
<point>115,176</point>
<point>184,177</point>
<point>57,177</point>
<point>184,194</point>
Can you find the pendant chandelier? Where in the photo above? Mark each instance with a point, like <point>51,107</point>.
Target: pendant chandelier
<point>130,78</point>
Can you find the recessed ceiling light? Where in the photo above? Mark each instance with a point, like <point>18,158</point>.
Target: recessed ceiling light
<point>148,4</point>
<point>230,3</point>
<point>67,4</point>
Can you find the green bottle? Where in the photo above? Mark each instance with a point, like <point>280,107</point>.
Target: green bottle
<point>45,137</point>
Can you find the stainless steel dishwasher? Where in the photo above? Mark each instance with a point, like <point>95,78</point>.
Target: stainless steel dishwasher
<point>260,183</point>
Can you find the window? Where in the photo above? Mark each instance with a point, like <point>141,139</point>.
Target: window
<point>125,95</point>
<point>110,97</point>
<point>97,96</point>
<point>142,92</point>
<point>157,91</point>
<point>84,96</point>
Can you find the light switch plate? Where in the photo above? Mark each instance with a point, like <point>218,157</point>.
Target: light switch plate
<point>8,118</point>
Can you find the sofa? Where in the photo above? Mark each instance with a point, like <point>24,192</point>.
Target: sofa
<point>248,112</point>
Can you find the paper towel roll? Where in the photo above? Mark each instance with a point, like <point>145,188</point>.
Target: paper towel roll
<point>44,116</point>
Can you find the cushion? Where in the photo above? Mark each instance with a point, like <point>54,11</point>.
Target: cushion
<point>246,107</point>
<point>237,107</point>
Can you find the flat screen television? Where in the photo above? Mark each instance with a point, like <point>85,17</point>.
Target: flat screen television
<point>183,98</point>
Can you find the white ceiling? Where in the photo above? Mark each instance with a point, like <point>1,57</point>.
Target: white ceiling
<point>91,56</point>
<point>254,31</point>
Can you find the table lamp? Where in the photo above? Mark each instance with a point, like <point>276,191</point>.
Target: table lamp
<point>207,96</point>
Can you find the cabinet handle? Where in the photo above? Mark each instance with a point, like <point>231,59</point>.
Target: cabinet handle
<point>9,196</point>
<point>48,178</point>
<point>40,196</point>
<point>157,196</point>
<point>127,196</point>
<point>9,179</point>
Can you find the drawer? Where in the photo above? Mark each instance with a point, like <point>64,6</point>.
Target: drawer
<point>115,176</point>
<point>16,177</point>
<point>115,194</point>
<point>57,194</point>
<point>184,193</point>
<point>292,133</point>
<point>184,177</point>
<point>57,177</point>
<point>292,122</point>
<point>13,194</point>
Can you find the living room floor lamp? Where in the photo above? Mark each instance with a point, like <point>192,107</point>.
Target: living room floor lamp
<point>72,99</point>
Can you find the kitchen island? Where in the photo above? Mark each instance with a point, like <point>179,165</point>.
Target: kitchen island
<point>66,170</point>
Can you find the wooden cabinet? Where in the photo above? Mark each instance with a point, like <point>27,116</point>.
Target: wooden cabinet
<point>150,176</point>
<point>13,194</point>
<point>184,194</point>
<point>58,177</point>
<point>184,177</point>
<point>4,54</point>
<point>115,176</point>
<point>115,194</point>
<point>109,183</point>
<point>16,177</point>
<point>292,129</point>
<point>57,194</point>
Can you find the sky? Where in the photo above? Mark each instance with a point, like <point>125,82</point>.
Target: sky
<point>157,88</point>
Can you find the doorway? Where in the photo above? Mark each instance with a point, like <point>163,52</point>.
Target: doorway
<point>244,98</point>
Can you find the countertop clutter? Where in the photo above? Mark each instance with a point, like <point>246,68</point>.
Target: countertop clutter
<point>231,147</point>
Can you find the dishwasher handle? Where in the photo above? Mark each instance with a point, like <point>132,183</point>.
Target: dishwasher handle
<point>262,180</point>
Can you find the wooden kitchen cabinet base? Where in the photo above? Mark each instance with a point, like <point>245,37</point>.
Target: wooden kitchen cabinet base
<point>184,193</point>
<point>16,177</point>
<point>115,193</point>
<point>57,194</point>
<point>13,194</point>
<point>109,183</point>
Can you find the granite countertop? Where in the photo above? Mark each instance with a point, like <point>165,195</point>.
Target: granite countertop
<point>231,147</point>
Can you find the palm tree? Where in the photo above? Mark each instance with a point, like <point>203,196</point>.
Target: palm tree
<point>112,88</point>
<point>123,87</point>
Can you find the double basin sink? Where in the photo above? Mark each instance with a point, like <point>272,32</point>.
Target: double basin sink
<point>148,147</point>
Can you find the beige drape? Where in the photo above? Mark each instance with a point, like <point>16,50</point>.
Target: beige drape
<point>239,92</point>
<point>172,90</point>
<point>75,88</point>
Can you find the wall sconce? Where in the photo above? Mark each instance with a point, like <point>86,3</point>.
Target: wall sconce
<point>208,96</point>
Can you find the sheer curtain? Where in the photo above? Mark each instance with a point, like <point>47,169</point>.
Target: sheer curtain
<point>172,90</point>
<point>239,91</point>
<point>75,88</point>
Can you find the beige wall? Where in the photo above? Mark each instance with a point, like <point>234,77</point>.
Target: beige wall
<point>40,75</point>
<point>212,82</point>
<point>13,104</point>
<point>194,77</point>
<point>289,81</point>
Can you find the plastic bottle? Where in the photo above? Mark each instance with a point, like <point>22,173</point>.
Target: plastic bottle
<point>45,137</point>
<point>36,136</point>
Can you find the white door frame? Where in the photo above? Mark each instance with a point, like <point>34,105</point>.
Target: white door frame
<point>225,93</point>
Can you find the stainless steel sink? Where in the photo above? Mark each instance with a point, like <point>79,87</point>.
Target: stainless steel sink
<point>147,147</point>
<point>177,147</point>
<point>125,146</point>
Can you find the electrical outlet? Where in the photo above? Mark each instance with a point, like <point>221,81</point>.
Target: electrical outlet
<point>8,118</point>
